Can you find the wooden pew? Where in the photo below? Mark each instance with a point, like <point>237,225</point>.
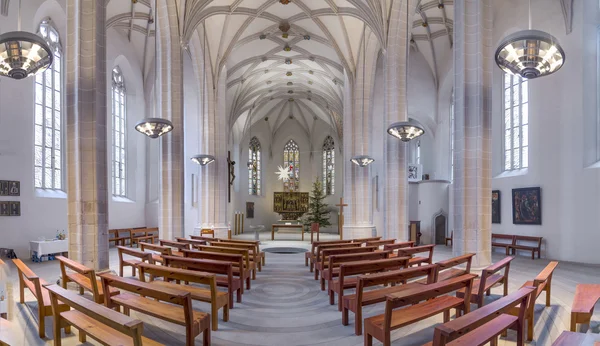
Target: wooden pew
<point>153,232</point>
<point>542,283</point>
<point>334,262</point>
<point>249,263</point>
<point>380,242</point>
<point>137,233</point>
<point>28,279</point>
<point>411,251</point>
<point>522,241</point>
<point>447,270</point>
<point>348,271</point>
<point>164,303</point>
<point>255,242</point>
<point>143,257</point>
<point>83,276</point>
<point>502,241</point>
<point>450,239</point>
<point>200,237</point>
<point>99,322</point>
<point>310,256</point>
<point>158,252</point>
<point>364,240</point>
<point>322,247</point>
<point>355,302</point>
<point>211,295</point>
<point>396,246</point>
<point>254,255</point>
<point>207,231</point>
<point>174,244</point>
<point>490,277</point>
<point>113,236</point>
<point>487,323</point>
<point>236,261</point>
<point>191,241</point>
<point>582,309</point>
<point>323,262</point>
<point>421,301</point>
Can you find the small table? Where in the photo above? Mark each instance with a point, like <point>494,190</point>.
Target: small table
<point>256,229</point>
<point>286,226</point>
<point>41,248</point>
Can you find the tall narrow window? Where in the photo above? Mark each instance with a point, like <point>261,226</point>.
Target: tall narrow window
<point>328,166</point>
<point>452,138</point>
<point>418,153</point>
<point>48,86</point>
<point>516,123</point>
<point>254,169</point>
<point>291,160</point>
<point>119,117</point>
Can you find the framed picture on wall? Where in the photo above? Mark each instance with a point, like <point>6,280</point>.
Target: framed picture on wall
<point>14,188</point>
<point>250,210</point>
<point>414,172</point>
<point>527,206</point>
<point>3,188</point>
<point>4,209</point>
<point>495,206</point>
<point>15,208</point>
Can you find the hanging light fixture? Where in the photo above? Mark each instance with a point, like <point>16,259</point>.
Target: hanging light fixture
<point>530,53</point>
<point>363,160</point>
<point>406,130</point>
<point>202,159</point>
<point>23,54</point>
<point>155,127</point>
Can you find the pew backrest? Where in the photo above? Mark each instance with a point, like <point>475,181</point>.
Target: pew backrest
<point>411,251</point>
<point>364,240</point>
<point>397,246</point>
<point>465,259</point>
<point>234,259</point>
<point>177,245</point>
<point>225,250</point>
<point>537,241</point>
<point>368,267</point>
<point>179,274</point>
<point>493,269</point>
<point>163,250</point>
<point>321,248</point>
<point>143,256</point>
<point>337,260</point>
<point>380,242</point>
<point>544,277</point>
<point>394,276</point>
<point>326,253</point>
<point>503,239</point>
<point>144,289</point>
<point>191,241</point>
<point>79,268</point>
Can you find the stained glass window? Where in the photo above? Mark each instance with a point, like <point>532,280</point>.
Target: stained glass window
<point>291,159</point>
<point>254,169</point>
<point>328,166</point>
<point>516,123</point>
<point>48,120</point>
<point>119,117</point>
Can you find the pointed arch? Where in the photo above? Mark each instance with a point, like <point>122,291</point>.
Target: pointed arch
<point>328,166</point>
<point>291,159</point>
<point>254,167</point>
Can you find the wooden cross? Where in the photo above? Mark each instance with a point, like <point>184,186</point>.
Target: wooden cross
<point>231,174</point>
<point>341,216</point>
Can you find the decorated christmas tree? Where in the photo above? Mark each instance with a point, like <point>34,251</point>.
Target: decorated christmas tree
<point>318,211</point>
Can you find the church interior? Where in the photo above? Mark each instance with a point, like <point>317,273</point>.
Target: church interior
<point>299,172</point>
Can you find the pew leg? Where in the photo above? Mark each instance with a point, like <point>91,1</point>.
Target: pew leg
<point>21,291</point>
<point>322,284</point>
<point>331,297</point>
<point>133,270</point>
<point>446,316</point>
<point>82,336</point>
<point>264,258</point>
<point>539,253</point>
<point>530,328</point>
<point>488,292</point>
<point>239,297</point>
<point>316,274</point>
<point>548,295</point>
<point>121,270</point>
<point>254,274</point>
<point>573,322</point>
<point>311,266</point>
<point>345,316</point>
<point>205,337</point>
<point>68,329</point>
<point>340,299</point>
<point>226,313</point>
<point>532,255</point>
<point>387,338</point>
<point>248,285</point>
<point>494,341</point>
<point>358,321</point>
<point>306,261</point>
<point>42,325</point>
<point>81,290</point>
<point>368,340</point>
<point>215,317</point>
<point>126,311</point>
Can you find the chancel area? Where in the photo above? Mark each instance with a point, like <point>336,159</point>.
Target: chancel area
<point>299,172</point>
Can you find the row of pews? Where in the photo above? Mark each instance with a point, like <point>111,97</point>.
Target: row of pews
<point>132,236</point>
<point>413,288</point>
<point>166,278</point>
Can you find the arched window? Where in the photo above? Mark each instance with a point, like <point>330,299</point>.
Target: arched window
<point>418,153</point>
<point>254,169</point>
<point>328,166</point>
<point>291,159</point>
<point>516,123</point>
<point>48,136</point>
<point>119,124</point>
<point>452,138</point>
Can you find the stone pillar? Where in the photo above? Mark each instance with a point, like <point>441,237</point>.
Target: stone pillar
<point>396,109</point>
<point>169,86</point>
<point>87,166</point>
<point>472,115</point>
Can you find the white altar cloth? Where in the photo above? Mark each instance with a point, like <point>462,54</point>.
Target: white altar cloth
<point>47,247</point>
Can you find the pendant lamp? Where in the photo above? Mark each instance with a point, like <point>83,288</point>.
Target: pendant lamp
<point>203,160</point>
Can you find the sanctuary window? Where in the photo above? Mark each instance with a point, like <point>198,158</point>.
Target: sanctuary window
<point>452,138</point>
<point>254,169</point>
<point>291,160</point>
<point>516,123</point>
<point>328,166</point>
<point>119,146</point>
<point>48,135</point>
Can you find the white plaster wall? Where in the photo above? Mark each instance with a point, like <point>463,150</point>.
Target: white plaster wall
<point>42,214</point>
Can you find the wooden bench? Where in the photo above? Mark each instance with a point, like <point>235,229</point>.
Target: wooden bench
<point>527,243</point>
<point>586,296</point>
<point>236,261</point>
<point>334,262</point>
<point>364,240</point>
<point>380,242</point>
<point>249,266</point>
<point>319,253</point>
<point>421,301</point>
<point>355,302</point>
<point>211,295</point>
<point>153,232</point>
<point>159,251</point>
<point>256,256</point>
<point>174,244</point>
<point>191,241</point>
<point>138,233</point>
<point>113,236</point>
<point>412,251</point>
<point>502,241</point>
<point>28,279</point>
<point>311,255</point>
<point>255,242</point>
<point>200,237</point>
<point>347,277</point>
<point>143,257</point>
<point>485,324</point>
<point>447,270</point>
<point>542,283</point>
<point>396,246</point>
<point>83,276</point>
<point>323,262</point>
<point>449,240</point>
<point>490,277</point>
<point>207,231</point>
<point>99,322</point>
<point>150,239</point>
<point>164,303</point>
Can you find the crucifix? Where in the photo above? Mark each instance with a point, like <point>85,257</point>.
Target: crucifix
<point>231,174</point>
<point>341,216</point>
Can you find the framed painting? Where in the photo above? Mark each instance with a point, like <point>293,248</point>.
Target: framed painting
<point>14,188</point>
<point>495,206</point>
<point>250,210</point>
<point>4,209</point>
<point>15,208</point>
<point>527,206</point>
<point>3,188</point>
<point>414,172</point>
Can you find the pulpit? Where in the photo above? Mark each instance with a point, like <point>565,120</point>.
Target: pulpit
<point>414,230</point>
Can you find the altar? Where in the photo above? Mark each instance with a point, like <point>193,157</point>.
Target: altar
<point>276,225</point>
<point>290,205</point>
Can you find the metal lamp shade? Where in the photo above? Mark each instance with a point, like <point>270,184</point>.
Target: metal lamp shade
<point>202,159</point>
<point>154,127</point>
<point>23,54</point>
<point>405,130</point>
<point>362,160</point>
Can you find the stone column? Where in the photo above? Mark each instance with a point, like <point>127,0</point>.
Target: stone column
<point>169,86</point>
<point>87,167</point>
<point>396,109</point>
<point>472,115</point>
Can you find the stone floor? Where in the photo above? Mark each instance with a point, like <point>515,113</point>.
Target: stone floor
<point>286,306</point>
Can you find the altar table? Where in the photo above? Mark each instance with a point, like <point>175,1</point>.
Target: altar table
<point>286,226</point>
<point>41,248</point>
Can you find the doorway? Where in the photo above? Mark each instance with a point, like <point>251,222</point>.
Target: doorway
<point>440,222</point>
